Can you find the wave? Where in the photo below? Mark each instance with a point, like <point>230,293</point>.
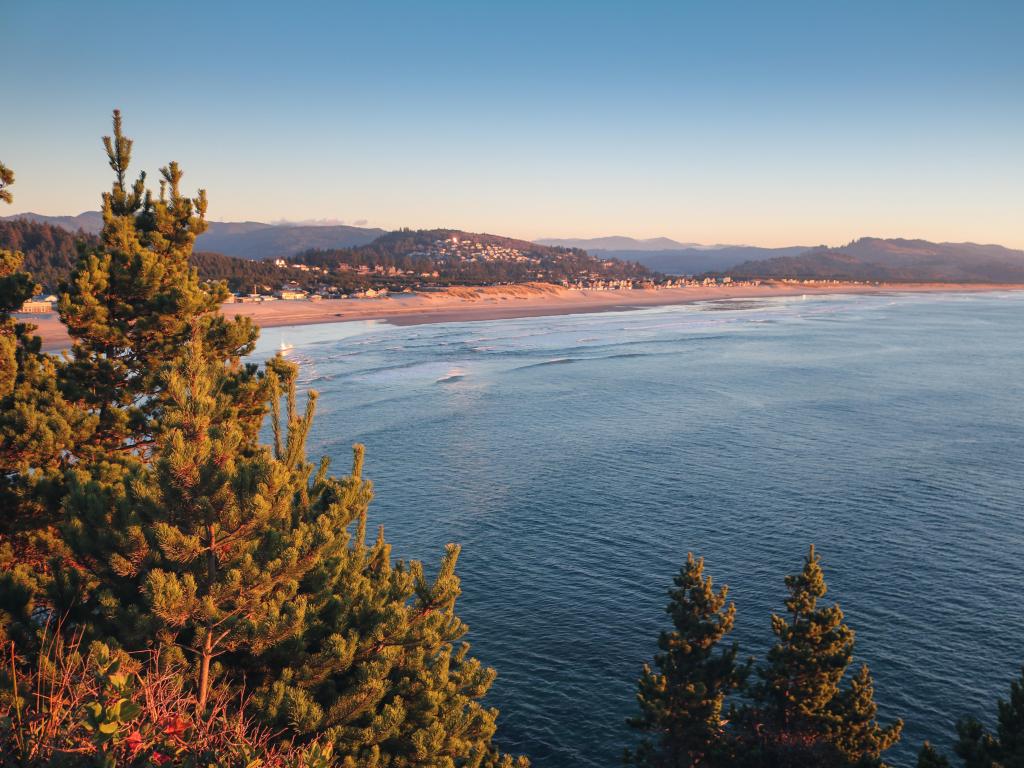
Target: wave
<point>554,361</point>
<point>567,360</point>
<point>455,374</point>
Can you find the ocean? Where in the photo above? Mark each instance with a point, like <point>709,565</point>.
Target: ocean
<point>577,459</point>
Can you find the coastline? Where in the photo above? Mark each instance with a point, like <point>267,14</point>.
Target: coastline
<point>466,304</point>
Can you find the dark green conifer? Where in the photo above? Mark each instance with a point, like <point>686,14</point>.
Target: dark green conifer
<point>859,736</point>
<point>979,748</point>
<point>37,432</point>
<point>15,287</point>
<point>681,704</point>
<point>207,547</point>
<point>803,717</point>
<point>253,564</point>
<point>133,305</point>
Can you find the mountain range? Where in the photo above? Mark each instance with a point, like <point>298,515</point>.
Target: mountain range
<point>618,243</point>
<point>873,258</point>
<point>868,258</point>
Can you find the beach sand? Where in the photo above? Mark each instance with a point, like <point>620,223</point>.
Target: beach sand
<point>461,304</point>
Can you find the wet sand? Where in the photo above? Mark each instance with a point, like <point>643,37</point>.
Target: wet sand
<point>463,304</point>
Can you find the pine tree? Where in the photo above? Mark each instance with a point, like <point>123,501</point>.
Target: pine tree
<point>802,716</point>
<point>132,306</point>
<point>15,287</point>
<point>381,666</point>
<point>37,432</point>
<point>183,535</point>
<point>245,561</point>
<point>207,535</point>
<point>979,748</point>
<point>859,736</point>
<point>681,703</point>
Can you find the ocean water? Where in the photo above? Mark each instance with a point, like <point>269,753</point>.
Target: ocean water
<point>578,459</point>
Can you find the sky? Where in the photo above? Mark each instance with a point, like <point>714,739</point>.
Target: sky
<point>767,123</point>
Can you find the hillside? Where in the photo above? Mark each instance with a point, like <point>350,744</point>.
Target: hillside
<point>473,258</point>
<point>244,239</point>
<point>873,258</point>
<point>395,260</point>
<point>51,251</point>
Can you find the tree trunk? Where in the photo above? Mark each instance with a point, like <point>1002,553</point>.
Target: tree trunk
<point>207,653</point>
<point>204,671</point>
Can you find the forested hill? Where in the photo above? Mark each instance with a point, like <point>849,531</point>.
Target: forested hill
<point>51,252</point>
<point>896,260</point>
<point>244,239</point>
<point>468,257</point>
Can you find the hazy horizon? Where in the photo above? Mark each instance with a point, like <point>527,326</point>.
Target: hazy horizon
<point>795,123</point>
<point>543,238</point>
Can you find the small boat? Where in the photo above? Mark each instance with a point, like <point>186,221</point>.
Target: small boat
<point>285,347</point>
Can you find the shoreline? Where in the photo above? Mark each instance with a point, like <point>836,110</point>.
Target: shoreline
<point>468,304</point>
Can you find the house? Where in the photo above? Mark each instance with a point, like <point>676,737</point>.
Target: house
<point>39,304</point>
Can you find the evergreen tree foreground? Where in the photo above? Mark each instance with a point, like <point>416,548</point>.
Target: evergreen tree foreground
<point>146,518</point>
<point>800,710</point>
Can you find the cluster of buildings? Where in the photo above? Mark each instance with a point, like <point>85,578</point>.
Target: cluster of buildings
<point>294,293</point>
<point>821,281</point>
<point>589,282</point>
<point>376,270</point>
<point>301,267</point>
<point>597,283</point>
<point>454,249</point>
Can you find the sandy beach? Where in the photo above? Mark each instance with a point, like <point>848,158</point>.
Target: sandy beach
<point>462,304</point>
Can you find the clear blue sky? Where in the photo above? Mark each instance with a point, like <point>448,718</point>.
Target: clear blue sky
<point>720,121</point>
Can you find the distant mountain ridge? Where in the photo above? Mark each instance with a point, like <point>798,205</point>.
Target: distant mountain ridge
<point>243,239</point>
<point>89,221</point>
<point>281,241</point>
<point>873,258</point>
<point>867,258</point>
<point>617,243</point>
